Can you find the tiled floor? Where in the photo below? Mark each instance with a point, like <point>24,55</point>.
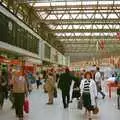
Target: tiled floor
<point>40,111</point>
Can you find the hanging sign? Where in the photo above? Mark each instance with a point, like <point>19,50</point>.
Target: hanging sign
<point>15,62</point>
<point>102,44</point>
<point>118,35</point>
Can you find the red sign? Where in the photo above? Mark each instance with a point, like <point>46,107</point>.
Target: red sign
<point>102,44</point>
<point>15,62</point>
<point>3,60</point>
<point>118,35</point>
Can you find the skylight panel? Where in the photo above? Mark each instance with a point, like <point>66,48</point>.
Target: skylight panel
<point>117,2</point>
<point>113,16</point>
<point>57,3</point>
<point>68,2</point>
<point>106,2</point>
<point>52,17</point>
<point>40,4</point>
<point>68,34</point>
<point>52,26</point>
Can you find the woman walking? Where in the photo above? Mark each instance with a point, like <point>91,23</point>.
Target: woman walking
<point>89,93</point>
<point>19,90</point>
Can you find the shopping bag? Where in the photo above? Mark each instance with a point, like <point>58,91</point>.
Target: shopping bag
<point>80,104</point>
<point>26,105</point>
<point>55,93</point>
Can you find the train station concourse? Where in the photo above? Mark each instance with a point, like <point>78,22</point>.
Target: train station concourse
<point>60,59</point>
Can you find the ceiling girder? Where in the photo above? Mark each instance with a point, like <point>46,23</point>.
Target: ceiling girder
<point>81,21</point>
<point>85,30</point>
<point>80,12</point>
<point>86,42</point>
<point>88,54</point>
<point>87,37</point>
<point>80,7</point>
<point>51,9</point>
<point>93,49</point>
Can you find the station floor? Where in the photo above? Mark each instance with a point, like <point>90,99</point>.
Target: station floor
<point>40,111</point>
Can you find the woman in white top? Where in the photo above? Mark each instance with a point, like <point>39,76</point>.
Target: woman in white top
<point>88,92</point>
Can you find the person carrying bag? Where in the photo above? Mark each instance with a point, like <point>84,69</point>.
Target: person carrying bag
<point>89,94</point>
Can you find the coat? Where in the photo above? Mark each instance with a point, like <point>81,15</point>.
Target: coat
<point>65,82</point>
<point>50,84</point>
<point>93,90</point>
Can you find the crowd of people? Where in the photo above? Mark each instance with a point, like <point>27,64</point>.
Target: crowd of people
<point>86,85</point>
<point>16,85</point>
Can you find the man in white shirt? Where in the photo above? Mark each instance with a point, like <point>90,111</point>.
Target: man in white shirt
<point>98,79</point>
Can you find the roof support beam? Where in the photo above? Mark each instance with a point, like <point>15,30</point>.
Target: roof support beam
<point>81,7</point>
<point>86,30</point>
<point>86,37</point>
<point>76,12</point>
<point>86,42</point>
<point>81,21</point>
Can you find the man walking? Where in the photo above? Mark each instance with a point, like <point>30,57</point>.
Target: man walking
<point>64,84</point>
<point>98,79</point>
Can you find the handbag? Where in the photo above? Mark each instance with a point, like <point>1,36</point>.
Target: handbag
<point>26,105</point>
<point>95,109</point>
<point>80,104</point>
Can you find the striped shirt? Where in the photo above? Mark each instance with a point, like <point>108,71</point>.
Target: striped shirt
<point>86,88</point>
